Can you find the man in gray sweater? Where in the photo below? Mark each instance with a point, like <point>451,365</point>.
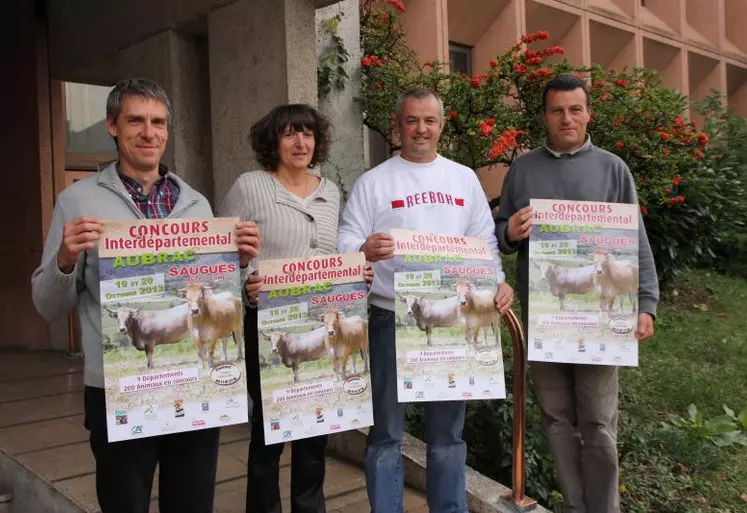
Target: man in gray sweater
<point>136,186</point>
<point>578,402</point>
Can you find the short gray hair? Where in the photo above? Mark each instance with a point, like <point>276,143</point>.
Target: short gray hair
<point>135,87</point>
<point>418,93</point>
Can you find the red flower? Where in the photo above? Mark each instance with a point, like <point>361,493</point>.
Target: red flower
<point>676,180</point>
<point>397,4</point>
<point>379,86</point>
<point>493,63</point>
<point>475,83</point>
<point>491,121</point>
<point>678,121</point>
<point>519,69</point>
<point>667,190</point>
<point>485,129</point>
<point>621,82</point>
<point>543,34</point>
<point>534,61</point>
<point>530,53</point>
<point>665,152</point>
<point>619,145</point>
<point>453,114</point>
<point>672,201</point>
<point>366,62</point>
<point>644,211</point>
<point>665,135</point>
<point>507,141</point>
<point>428,63</point>
<point>680,199</point>
<point>703,139</point>
<point>698,154</point>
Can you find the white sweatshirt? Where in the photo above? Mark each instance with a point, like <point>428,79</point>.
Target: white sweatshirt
<point>438,197</point>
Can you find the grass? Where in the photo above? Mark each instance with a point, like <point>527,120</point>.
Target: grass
<point>698,356</point>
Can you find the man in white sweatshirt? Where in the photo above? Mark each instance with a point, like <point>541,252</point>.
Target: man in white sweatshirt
<point>422,191</point>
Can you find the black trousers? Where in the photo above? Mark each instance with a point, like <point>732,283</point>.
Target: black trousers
<point>124,470</point>
<point>307,457</point>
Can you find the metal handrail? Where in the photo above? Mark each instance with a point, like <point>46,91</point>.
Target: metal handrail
<point>518,476</point>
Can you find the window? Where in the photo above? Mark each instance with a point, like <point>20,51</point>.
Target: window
<point>87,142</point>
<point>460,58</point>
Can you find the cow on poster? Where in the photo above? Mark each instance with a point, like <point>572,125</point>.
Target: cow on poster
<point>313,336</point>
<point>447,328</point>
<point>171,324</point>
<point>583,283</point>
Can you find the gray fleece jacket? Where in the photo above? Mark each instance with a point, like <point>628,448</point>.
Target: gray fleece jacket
<point>589,174</point>
<point>56,294</point>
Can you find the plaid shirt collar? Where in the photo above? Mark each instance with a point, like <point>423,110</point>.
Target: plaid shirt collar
<point>163,194</point>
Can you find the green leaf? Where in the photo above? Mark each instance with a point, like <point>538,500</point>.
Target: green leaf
<point>743,418</point>
<point>692,413</point>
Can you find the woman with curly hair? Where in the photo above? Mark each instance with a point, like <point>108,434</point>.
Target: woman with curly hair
<point>296,211</point>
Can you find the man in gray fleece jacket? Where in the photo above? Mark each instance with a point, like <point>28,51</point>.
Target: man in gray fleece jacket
<point>136,186</point>
<point>578,402</point>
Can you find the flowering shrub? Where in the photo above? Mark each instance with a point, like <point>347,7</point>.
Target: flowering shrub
<point>495,115</point>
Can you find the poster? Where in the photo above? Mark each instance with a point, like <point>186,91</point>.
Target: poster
<point>171,326</point>
<point>583,283</point>
<point>447,329</point>
<point>313,346</point>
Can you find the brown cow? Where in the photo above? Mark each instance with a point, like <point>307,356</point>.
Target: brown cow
<point>347,337</point>
<point>212,317</point>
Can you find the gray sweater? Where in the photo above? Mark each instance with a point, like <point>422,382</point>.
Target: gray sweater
<point>289,226</point>
<point>591,174</point>
<point>56,294</point>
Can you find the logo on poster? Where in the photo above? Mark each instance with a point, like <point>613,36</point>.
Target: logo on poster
<point>120,417</point>
<point>354,385</point>
<point>451,377</point>
<point>150,412</point>
<point>274,425</point>
<point>319,415</point>
<point>205,405</point>
<point>224,418</point>
<point>179,408</point>
<point>408,383</point>
<point>225,374</point>
<point>136,430</point>
<point>621,325</point>
<point>487,356</point>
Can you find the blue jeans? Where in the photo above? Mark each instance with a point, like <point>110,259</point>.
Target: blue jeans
<point>446,453</point>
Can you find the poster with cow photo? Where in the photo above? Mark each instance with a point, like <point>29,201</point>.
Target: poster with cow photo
<point>447,328</point>
<point>583,283</point>
<point>313,346</point>
<point>171,326</point>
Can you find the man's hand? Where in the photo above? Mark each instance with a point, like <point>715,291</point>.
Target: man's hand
<point>368,274</point>
<point>504,298</point>
<point>520,225</point>
<point>378,246</point>
<point>78,235</point>
<point>248,241</point>
<point>252,285</point>
<point>645,327</point>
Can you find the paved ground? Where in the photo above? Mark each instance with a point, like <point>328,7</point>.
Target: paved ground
<point>41,424</point>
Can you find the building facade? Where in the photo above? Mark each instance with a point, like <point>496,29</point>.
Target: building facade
<point>224,63</point>
<point>697,45</point>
